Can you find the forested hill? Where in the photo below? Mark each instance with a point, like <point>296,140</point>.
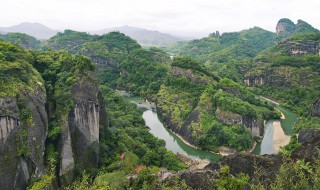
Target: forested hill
<point>208,111</point>
<point>121,62</point>
<point>289,72</point>
<point>23,40</point>
<point>229,46</point>
<point>237,47</point>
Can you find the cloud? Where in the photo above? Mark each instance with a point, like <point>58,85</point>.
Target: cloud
<point>185,17</point>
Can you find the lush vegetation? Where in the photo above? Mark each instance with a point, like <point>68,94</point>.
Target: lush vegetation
<point>17,73</point>
<point>121,61</point>
<point>126,147</point>
<point>196,103</point>
<point>229,46</point>
<point>22,40</point>
<point>295,79</point>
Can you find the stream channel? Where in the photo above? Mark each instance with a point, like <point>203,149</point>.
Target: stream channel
<point>175,144</point>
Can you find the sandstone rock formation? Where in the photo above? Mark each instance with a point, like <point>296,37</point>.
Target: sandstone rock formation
<point>23,130</point>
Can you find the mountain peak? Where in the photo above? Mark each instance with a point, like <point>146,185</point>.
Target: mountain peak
<point>35,29</point>
<point>285,25</point>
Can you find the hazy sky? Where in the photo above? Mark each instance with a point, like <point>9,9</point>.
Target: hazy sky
<point>184,17</point>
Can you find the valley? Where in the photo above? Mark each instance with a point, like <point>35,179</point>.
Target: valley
<point>83,111</point>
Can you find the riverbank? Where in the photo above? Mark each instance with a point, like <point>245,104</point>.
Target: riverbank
<point>279,138</point>
<point>185,141</point>
<point>272,101</point>
<point>280,135</point>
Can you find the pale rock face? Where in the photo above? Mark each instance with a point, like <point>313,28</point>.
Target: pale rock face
<point>80,132</point>
<point>87,116</point>
<point>67,160</point>
<point>229,118</point>
<point>7,124</point>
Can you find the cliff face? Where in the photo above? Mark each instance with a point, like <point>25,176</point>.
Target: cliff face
<point>278,77</point>
<point>285,26</point>
<point>23,128</point>
<point>302,48</point>
<point>80,139</point>
<point>268,165</point>
<point>228,118</point>
<point>315,111</point>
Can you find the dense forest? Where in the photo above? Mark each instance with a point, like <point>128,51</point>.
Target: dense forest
<point>67,127</point>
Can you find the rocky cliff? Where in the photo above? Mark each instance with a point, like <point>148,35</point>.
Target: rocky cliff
<point>80,136</point>
<point>268,165</point>
<point>286,27</point>
<point>23,129</point>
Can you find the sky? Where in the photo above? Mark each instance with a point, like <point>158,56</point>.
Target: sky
<point>179,17</point>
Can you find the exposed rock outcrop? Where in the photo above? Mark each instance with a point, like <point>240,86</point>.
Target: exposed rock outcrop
<point>315,111</point>
<point>188,73</point>
<point>300,48</point>
<point>310,144</point>
<point>285,26</point>
<point>196,179</point>
<point>278,77</point>
<point>23,130</point>
<point>80,135</point>
<point>229,118</point>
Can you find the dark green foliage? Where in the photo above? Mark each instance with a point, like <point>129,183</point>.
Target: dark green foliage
<point>23,40</point>
<point>289,148</point>
<point>16,71</point>
<point>68,40</point>
<point>230,46</point>
<point>128,133</point>
<point>198,96</point>
<point>236,136</point>
<point>144,180</point>
<point>225,181</point>
<point>297,76</point>
<point>144,71</point>
<point>121,61</point>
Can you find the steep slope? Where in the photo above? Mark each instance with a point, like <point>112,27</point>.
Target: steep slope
<point>208,111</point>
<point>285,27</point>
<point>290,67</point>
<point>23,119</point>
<point>121,61</point>
<point>37,30</point>
<point>143,36</point>
<point>49,121</point>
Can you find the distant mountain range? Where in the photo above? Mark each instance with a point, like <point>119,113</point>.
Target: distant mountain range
<point>35,29</point>
<point>143,36</point>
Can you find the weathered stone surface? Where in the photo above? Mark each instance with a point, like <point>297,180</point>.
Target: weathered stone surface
<point>310,144</point>
<point>22,142</point>
<point>196,179</point>
<point>80,135</point>
<point>188,73</point>
<point>315,111</point>
<point>228,118</point>
<point>285,26</point>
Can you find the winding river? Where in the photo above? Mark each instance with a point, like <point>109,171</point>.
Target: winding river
<point>175,144</point>
<point>277,132</point>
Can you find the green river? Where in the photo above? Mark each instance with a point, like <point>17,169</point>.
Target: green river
<point>266,146</point>
<point>175,144</point>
